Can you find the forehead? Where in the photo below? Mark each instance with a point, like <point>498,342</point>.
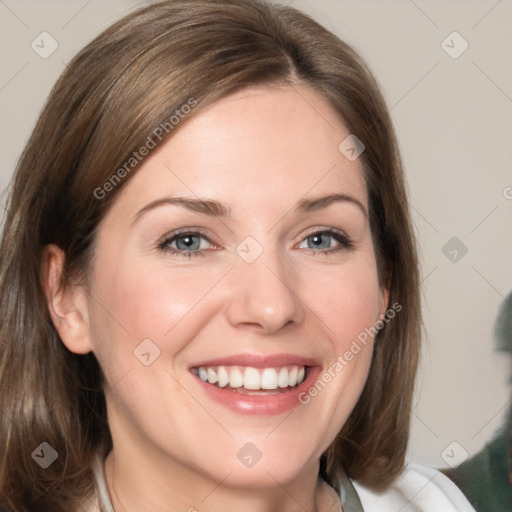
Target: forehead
<point>260,146</point>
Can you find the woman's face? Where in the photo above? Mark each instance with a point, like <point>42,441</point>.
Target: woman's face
<point>240,252</point>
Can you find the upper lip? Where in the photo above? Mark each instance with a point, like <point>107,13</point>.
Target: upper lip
<point>258,361</point>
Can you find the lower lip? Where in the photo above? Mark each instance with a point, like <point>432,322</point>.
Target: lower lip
<point>260,404</point>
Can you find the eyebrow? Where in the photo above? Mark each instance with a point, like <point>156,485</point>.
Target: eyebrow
<point>204,206</point>
<point>317,203</point>
<point>214,208</point>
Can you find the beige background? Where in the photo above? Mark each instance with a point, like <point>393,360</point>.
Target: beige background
<point>454,121</point>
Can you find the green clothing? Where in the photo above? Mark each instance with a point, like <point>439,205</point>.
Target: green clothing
<point>484,478</point>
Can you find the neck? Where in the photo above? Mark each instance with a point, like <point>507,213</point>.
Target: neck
<point>158,487</point>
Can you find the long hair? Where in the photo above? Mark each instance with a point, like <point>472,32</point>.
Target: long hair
<point>119,90</point>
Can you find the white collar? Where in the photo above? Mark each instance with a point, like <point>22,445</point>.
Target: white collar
<point>104,503</point>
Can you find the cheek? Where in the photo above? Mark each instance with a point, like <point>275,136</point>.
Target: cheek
<point>134,301</point>
<point>347,300</point>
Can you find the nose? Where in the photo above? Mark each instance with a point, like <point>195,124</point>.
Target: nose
<point>263,296</point>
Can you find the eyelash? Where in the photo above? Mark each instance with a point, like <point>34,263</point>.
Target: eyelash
<point>343,240</point>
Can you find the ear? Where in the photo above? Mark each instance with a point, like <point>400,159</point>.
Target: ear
<point>384,300</point>
<point>67,305</point>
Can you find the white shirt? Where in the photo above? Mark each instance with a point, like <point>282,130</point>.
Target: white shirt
<point>418,489</point>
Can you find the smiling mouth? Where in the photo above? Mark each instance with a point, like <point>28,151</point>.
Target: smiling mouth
<point>247,380</point>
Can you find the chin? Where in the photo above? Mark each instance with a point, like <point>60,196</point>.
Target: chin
<point>265,463</point>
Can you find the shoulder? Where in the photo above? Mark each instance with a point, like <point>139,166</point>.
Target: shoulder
<point>417,489</point>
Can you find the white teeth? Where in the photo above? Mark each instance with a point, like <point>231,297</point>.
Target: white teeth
<point>282,378</point>
<point>236,379</point>
<point>300,375</point>
<point>223,376</point>
<point>252,378</point>
<point>269,379</point>
<point>292,376</point>
<point>212,376</point>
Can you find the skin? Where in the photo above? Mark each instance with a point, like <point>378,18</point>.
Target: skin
<point>259,152</point>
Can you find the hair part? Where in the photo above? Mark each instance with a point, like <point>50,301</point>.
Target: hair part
<point>113,95</point>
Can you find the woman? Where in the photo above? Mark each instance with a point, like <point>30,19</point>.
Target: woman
<point>210,288</point>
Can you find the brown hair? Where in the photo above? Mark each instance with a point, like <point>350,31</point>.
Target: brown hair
<point>110,99</point>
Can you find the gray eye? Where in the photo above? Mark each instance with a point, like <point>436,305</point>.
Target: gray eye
<point>188,243</point>
<point>319,241</point>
